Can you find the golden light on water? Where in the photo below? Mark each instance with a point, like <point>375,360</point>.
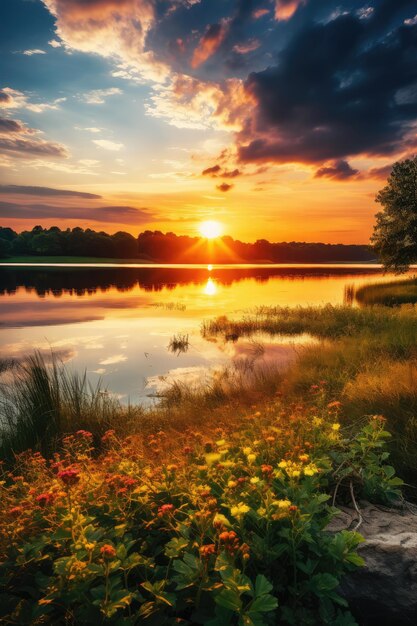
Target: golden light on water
<point>210,229</point>
<point>210,288</point>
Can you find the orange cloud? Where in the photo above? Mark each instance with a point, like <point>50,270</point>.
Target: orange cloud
<point>285,9</point>
<point>209,44</point>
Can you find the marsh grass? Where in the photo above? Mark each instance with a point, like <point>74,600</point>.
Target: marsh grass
<point>179,344</point>
<point>43,400</point>
<point>393,293</point>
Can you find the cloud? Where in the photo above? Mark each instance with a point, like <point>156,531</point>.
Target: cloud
<point>216,172</point>
<point>11,126</point>
<point>98,96</point>
<point>331,95</point>
<point>285,9</point>
<point>30,53</point>
<point>107,214</point>
<point>106,144</point>
<point>224,187</point>
<point>211,171</point>
<point>54,43</point>
<point>14,99</point>
<point>339,170</point>
<point>249,46</point>
<point>112,28</point>
<point>24,147</point>
<point>46,191</point>
<point>209,43</point>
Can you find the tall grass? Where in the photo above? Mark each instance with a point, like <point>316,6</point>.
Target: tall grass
<point>43,401</point>
<point>393,293</point>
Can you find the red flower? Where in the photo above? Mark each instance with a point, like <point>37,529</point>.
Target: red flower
<point>43,499</point>
<point>165,509</point>
<point>16,511</point>
<point>69,476</point>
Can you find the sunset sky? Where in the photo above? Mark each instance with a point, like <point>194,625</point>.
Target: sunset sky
<point>278,118</point>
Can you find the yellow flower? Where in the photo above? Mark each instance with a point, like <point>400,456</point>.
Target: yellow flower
<point>239,510</point>
<point>310,469</point>
<point>221,519</point>
<point>336,426</point>
<point>282,464</point>
<point>282,504</point>
<point>212,457</point>
<point>317,421</point>
<point>246,450</point>
<point>251,458</point>
<point>295,473</point>
<point>221,442</point>
<point>255,480</point>
<point>232,484</point>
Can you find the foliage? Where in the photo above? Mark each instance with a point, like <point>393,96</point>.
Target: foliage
<point>169,248</point>
<point>395,232</point>
<point>231,531</point>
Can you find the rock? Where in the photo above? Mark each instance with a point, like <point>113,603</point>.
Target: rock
<point>384,592</point>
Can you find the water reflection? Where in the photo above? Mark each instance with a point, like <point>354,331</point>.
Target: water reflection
<point>117,322</point>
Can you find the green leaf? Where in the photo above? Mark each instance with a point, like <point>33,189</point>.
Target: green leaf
<point>263,604</point>
<point>229,599</point>
<point>262,586</point>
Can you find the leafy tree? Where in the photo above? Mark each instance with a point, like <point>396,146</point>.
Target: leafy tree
<point>395,233</point>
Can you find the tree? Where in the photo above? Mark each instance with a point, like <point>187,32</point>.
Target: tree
<point>395,232</point>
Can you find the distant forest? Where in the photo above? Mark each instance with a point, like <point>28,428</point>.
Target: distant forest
<point>155,246</point>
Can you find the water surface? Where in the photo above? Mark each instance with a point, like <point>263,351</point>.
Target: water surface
<point>117,321</point>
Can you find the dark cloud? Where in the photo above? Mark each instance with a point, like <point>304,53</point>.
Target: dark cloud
<point>45,191</point>
<point>10,126</point>
<point>211,171</point>
<point>5,98</point>
<point>224,187</point>
<point>336,91</point>
<point>339,170</point>
<point>216,172</point>
<point>29,147</point>
<point>110,214</point>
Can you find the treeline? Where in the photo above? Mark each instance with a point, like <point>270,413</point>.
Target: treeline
<point>170,248</point>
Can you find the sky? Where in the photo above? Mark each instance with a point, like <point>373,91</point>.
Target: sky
<point>278,118</point>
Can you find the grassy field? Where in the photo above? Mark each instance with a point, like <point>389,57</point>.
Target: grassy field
<point>393,293</point>
<point>67,259</point>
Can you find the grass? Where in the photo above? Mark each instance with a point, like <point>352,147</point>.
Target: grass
<point>367,358</point>
<point>393,293</point>
<point>179,344</point>
<point>69,259</point>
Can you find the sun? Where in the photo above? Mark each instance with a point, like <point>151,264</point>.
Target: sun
<point>210,229</point>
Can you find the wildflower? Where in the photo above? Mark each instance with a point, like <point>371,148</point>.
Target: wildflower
<point>293,508</point>
<point>69,476</point>
<point>282,504</point>
<point>230,541</point>
<point>282,464</point>
<point>85,434</point>
<point>16,511</point>
<point>165,509</point>
<point>43,499</point>
<point>245,550</point>
<point>334,405</point>
<point>303,458</point>
<point>220,521</point>
<point>311,469</point>
<point>246,450</point>
<point>107,551</point>
<point>207,550</point>
<point>239,510</point>
<point>317,421</point>
<point>267,469</point>
<point>232,484</point>
<point>336,426</point>
<point>251,458</point>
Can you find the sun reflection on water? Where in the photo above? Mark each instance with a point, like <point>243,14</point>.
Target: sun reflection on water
<point>210,288</point>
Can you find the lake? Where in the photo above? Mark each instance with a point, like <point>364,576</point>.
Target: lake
<point>116,322</point>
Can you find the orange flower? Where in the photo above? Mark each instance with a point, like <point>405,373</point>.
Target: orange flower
<point>107,551</point>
